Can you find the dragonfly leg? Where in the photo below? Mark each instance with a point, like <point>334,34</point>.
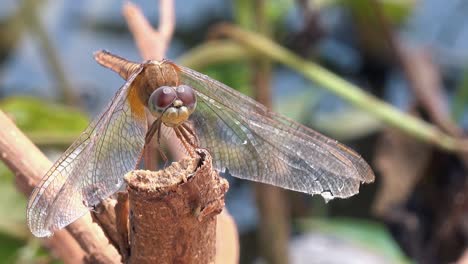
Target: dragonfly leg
<point>161,152</point>
<point>155,127</point>
<point>191,135</point>
<point>149,135</point>
<point>139,159</point>
<point>183,137</point>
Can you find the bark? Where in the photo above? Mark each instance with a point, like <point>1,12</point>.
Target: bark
<point>173,212</point>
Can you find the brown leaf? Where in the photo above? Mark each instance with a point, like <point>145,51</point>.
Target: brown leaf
<point>401,161</point>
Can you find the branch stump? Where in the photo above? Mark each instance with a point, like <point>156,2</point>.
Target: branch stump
<point>173,212</point>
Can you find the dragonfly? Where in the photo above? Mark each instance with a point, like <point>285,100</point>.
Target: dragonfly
<point>243,136</point>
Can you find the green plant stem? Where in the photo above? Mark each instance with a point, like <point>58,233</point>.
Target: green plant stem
<point>30,15</point>
<point>344,89</point>
<point>461,97</point>
<point>213,52</point>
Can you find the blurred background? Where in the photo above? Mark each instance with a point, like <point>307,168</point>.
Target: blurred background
<point>412,54</point>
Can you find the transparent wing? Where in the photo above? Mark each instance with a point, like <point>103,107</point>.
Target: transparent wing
<point>257,144</point>
<point>92,168</point>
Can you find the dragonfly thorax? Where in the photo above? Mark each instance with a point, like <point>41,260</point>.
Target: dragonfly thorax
<point>172,105</point>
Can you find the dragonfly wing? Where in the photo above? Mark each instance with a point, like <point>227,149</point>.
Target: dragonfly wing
<point>256,144</point>
<point>92,168</point>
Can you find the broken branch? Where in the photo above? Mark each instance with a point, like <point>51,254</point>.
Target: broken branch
<point>173,212</point>
<point>29,165</point>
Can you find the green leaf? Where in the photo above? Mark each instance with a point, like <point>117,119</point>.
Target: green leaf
<point>214,52</point>
<point>296,106</point>
<point>397,11</point>
<point>460,99</point>
<point>234,74</point>
<point>243,13</point>
<point>342,125</point>
<point>371,235</point>
<point>246,12</point>
<point>346,125</point>
<point>9,248</point>
<point>13,209</point>
<point>45,122</point>
<point>36,115</point>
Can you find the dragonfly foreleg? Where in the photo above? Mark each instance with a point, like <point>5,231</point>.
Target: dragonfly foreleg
<point>161,152</point>
<point>186,139</point>
<point>155,127</point>
<point>190,135</point>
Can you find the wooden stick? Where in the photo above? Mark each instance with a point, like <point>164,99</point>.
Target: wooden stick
<point>152,44</point>
<point>173,212</point>
<point>29,165</point>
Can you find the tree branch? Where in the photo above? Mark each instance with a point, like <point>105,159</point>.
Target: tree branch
<point>29,165</point>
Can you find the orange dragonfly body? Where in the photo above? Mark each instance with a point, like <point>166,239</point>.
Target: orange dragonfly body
<point>243,136</point>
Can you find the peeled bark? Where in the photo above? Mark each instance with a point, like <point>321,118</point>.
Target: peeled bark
<point>173,212</point>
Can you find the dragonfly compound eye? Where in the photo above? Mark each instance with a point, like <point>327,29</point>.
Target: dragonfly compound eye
<point>186,94</point>
<point>161,99</point>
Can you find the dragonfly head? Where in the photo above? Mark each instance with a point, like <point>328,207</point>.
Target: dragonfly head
<point>173,105</point>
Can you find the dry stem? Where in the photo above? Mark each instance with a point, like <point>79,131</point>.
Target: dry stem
<point>29,165</point>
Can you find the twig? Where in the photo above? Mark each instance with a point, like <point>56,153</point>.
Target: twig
<point>151,43</point>
<point>104,216</point>
<point>30,14</point>
<point>122,214</point>
<point>173,212</point>
<point>349,92</point>
<point>29,165</point>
